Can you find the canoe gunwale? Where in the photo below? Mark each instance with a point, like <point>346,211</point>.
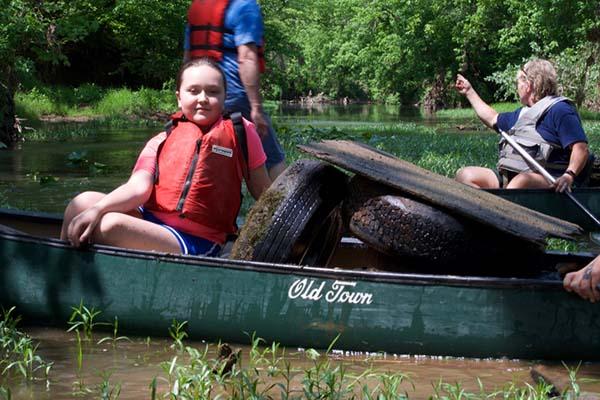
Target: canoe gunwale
<point>415,279</point>
<point>575,191</point>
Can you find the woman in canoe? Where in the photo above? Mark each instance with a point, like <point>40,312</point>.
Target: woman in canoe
<point>183,195</point>
<point>547,126</point>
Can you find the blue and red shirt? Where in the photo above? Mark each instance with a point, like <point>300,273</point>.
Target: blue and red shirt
<point>244,19</point>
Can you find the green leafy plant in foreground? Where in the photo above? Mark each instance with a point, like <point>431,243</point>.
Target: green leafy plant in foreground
<point>448,391</point>
<point>106,390</point>
<point>5,393</point>
<point>79,386</point>
<point>268,375</point>
<point>178,333</point>
<point>18,351</point>
<point>82,319</point>
<point>115,336</point>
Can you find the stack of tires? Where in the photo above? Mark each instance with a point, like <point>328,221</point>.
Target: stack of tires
<point>301,217</point>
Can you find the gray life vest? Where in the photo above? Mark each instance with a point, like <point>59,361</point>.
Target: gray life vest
<point>525,134</point>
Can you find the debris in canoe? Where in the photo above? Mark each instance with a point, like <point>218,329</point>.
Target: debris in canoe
<point>298,219</point>
<point>443,192</point>
<point>426,236</point>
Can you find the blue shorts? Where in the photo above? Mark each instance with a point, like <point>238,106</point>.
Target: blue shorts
<point>189,244</point>
<point>271,146</point>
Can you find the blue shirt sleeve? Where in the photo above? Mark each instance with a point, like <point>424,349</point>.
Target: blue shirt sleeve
<point>186,38</point>
<point>245,19</point>
<point>507,120</point>
<point>564,119</point>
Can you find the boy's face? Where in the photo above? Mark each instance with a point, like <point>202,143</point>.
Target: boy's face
<point>201,95</point>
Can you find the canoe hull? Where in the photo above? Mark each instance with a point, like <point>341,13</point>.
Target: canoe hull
<point>557,205</point>
<point>298,306</point>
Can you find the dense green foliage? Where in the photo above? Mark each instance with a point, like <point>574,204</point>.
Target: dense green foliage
<point>405,50</point>
<point>385,50</point>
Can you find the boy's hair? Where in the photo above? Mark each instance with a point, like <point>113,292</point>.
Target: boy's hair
<point>197,62</point>
<point>543,76</point>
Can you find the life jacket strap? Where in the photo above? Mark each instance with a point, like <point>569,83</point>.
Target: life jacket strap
<point>169,126</point>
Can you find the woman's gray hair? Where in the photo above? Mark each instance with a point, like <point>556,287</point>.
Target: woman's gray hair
<point>543,76</point>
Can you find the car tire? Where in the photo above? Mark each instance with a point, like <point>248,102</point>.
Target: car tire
<point>298,219</point>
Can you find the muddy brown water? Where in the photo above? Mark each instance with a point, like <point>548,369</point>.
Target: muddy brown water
<point>134,364</point>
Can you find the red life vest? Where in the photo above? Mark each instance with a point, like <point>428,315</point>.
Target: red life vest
<point>206,19</point>
<point>200,174</point>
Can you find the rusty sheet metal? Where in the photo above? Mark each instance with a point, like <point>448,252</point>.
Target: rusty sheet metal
<point>444,192</point>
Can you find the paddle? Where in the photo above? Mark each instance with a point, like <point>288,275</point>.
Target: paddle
<point>546,175</point>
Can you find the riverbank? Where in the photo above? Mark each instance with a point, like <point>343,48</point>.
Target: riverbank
<point>92,103</point>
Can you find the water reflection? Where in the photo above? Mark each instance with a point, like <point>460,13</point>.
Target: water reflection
<point>37,175</point>
<point>365,113</point>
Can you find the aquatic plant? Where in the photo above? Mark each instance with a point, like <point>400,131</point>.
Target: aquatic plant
<point>328,380</point>
<point>42,179</point>
<point>573,390</point>
<point>5,393</point>
<point>105,389</point>
<point>79,386</point>
<point>455,391</point>
<point>18,351</point>
<point>82,318</point>
<point>196,380</point>
<point>178,333</point>
<point>115,336</point>
<point>152,387</point>
<point>389,386</point>
<point>249,382</point>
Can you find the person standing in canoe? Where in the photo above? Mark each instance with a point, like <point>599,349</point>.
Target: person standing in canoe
<point>183,195</point>
<point>547,126</point>
<point>231,32</point>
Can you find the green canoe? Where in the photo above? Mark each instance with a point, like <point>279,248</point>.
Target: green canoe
<point>401,313</point>
<point>549,202</point>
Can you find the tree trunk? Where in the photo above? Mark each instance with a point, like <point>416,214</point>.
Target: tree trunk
<point>9,133</point>
<point>436,95</point>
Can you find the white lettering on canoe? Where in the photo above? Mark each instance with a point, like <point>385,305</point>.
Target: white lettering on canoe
<point>339,292</point>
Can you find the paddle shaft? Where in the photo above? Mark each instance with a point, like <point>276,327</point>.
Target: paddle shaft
<point>546,175</point>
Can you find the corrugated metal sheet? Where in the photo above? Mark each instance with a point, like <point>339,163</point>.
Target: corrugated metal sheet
<point>441,191</point>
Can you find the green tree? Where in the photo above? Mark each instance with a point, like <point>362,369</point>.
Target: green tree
<point>150,36</point>
<point>37,31</point>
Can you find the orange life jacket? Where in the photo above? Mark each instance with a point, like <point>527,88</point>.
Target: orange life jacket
<point>206,19</point>
<point>200,174</point>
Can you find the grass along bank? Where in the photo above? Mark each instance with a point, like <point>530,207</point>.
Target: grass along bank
<point>90,101</point>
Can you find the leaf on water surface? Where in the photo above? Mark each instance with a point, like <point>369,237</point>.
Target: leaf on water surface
<point>77,158</point>
<point>46,179</point>
<point>98,168</point>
